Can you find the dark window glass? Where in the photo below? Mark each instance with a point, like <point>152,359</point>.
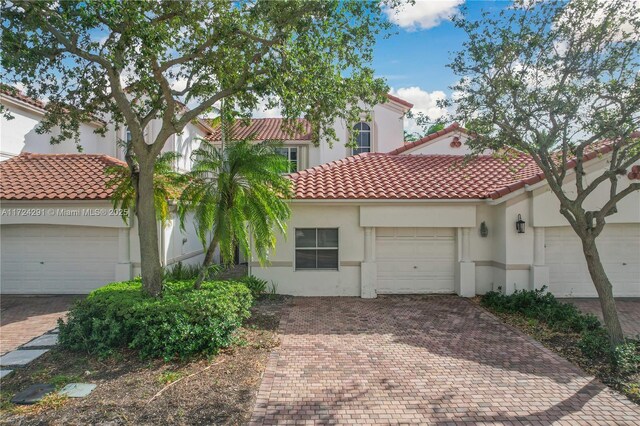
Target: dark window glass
<point>327,237</point>
<point>327,259</point>
<point>306,259</point>
<point>305,237</point>
<point>363,138</point>
<point>316,248</point>
<point>291,154</point>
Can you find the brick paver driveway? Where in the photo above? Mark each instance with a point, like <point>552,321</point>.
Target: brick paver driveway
<point>23,318</point>
<point>628,312</point>
<point>430,360</point>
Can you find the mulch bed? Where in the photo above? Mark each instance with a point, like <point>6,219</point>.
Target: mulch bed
<point>218,390</point>
<point>566,345</point>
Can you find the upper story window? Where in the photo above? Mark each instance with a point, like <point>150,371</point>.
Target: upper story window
<point>127,135</point>
<point>363,138</point>
<point>291,154</point>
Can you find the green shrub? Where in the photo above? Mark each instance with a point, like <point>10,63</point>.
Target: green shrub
<point>626,358</point>
<point>594,344</point>
<point>183,323</point>
<point>182,272</point>
<point>544,307</point>
<point>257,286</point>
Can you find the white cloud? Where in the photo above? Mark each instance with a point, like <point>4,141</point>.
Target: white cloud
<point>424,14</point>
<point>423,102</point>
<point>263,111</point>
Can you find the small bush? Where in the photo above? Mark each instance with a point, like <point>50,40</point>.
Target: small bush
<point>182,272</point>
<point>183,323</point>
<point>257,286</point>
<point>544,307</point>
<point>595,344</point>
<point>626,358</point>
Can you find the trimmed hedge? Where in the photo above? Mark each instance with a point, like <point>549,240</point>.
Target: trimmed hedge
<point>183,323</point>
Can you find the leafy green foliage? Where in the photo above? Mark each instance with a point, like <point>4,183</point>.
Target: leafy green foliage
<point>537,305</point>
<point>167,184</point>
<point>257,286</point>
<point>183,323</point>
<point>312,57</point>
<point>184,272</point>
<point>544,307</point>
<point>558,80</point>
<point>236,192</point>
<point>138,63</point>
<point>626,358</point>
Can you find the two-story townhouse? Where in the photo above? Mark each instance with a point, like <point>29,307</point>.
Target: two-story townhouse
<point>380,130</point>
<point>59,231</point>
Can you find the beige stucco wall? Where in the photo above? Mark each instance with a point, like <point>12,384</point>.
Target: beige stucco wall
<point>345,281</point>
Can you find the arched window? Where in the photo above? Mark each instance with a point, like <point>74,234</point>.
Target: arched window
<point>362,133</point>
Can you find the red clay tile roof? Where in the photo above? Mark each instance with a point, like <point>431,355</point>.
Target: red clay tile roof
<point>451,128</point>
<point>17,94</point>
<point>392,177</point>
<point>55,177</point>
<point>265,129</point>
<point>400,101</point>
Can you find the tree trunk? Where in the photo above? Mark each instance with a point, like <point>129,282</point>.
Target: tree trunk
<point>152,272</point>
<point>208,260</point>
<point>605,292</point>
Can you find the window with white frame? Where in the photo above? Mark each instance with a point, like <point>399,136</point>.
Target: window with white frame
<point>362,133</point>
<point>316,248</point>
<point>291,154</point>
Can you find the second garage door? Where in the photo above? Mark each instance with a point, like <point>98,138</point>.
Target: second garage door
<point>415,260</point>
<point>48,259</point>
<point>619,247</point>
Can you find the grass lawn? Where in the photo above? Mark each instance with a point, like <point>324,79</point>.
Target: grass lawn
<point>566,344</point>
<point>219,390</point>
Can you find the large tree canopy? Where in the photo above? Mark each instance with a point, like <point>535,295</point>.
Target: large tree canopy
<point>133,62</point>
<point>559,80</point>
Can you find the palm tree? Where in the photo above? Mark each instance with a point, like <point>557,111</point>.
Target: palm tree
<point>168,184</point>
<point>237,192</point>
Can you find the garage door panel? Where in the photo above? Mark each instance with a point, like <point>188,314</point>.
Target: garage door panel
<point>57,259</point>
<point>619,247</point>
<point>415,260</point>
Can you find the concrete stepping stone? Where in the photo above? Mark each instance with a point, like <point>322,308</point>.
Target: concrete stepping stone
<point>33,394</point>
<point>4,373</point>
<point>77,390</point>
<point>21,357</point>
<point>46,340</point>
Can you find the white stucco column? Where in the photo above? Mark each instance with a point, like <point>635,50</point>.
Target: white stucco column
<point>466,267</point>
<point>539,271</point>
<point>368,268</point>
<point>123,267</point>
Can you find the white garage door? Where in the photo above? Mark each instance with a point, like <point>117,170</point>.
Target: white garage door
<point>48,259</point>
<point>619,248</point>
<point>415,260</point>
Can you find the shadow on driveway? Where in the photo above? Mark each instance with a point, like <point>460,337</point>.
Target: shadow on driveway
<point>422,359</point>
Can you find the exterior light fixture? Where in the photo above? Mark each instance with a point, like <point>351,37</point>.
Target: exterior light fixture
<point>520,225</point>
<point>484,231</point>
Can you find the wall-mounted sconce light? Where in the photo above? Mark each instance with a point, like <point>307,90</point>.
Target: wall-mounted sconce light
<point>484,231</point>
<point>520,225</point>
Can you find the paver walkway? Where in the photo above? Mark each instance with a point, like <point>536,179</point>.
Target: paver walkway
<point>628,312</point>
<point>421,359</point>
<point>23,318</point>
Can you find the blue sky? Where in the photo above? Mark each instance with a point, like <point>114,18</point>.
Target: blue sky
<point>414,60</point>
